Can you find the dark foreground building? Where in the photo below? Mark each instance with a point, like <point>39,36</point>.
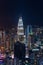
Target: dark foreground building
<point>19,50</point>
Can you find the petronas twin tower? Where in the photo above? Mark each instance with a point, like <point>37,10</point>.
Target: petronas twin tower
<point>20,28</point>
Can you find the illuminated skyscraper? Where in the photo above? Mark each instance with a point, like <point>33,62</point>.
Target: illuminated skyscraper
<point>20,28</point>
<point>28,33</point>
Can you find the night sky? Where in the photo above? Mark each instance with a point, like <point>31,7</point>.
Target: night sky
<point>30,10</point>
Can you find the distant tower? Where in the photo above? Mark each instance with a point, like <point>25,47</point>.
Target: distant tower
<point>20,29</point>
<point>28,33</point>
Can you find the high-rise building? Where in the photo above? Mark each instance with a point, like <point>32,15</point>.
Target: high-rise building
<point>28,33</point>
<point>2,39</point>
<point>12,38</point>
<point>20,30</point>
